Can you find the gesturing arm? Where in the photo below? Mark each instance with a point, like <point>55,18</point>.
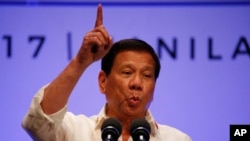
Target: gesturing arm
<point>95,45</point>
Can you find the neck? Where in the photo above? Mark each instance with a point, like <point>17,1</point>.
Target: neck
<point>124,119</point>
<point>125,129</point>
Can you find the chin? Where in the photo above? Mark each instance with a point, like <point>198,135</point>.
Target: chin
<point>136,113</point>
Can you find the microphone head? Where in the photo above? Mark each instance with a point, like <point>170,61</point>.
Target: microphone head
<point>140,127</point>
<point>111,126</point>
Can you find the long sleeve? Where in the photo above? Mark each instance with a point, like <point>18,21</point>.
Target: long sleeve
<point>42,127</point>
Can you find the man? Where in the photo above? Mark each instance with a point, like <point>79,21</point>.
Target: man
<point>127,79</point>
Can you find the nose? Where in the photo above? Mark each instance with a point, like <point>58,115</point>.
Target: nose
<point>136,83</point>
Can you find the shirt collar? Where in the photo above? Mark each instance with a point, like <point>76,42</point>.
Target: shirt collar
<point>101,117</point>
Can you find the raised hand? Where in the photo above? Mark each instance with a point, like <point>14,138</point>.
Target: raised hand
<point>96,42</point>
<point>95,45</point>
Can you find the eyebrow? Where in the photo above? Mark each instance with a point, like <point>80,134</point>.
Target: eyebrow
<point>128,65</point>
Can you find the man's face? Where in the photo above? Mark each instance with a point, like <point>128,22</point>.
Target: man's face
<point>130,85</point>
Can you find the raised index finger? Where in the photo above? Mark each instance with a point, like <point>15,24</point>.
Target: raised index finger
<point>99,17</point>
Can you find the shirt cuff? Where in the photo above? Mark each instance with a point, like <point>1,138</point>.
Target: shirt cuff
<point>36,119</point>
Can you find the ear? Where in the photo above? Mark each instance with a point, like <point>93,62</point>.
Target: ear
<point>102,78</point>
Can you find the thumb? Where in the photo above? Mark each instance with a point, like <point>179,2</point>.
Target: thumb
<point>110,44</point>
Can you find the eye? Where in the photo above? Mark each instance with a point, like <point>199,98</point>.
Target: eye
<point>147,75</point>
<point>126,72</point>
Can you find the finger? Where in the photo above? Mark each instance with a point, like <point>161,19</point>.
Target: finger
<point>99,36</point>
<point>99,16</point>
<point>96,41</point>
<point>103,31</point>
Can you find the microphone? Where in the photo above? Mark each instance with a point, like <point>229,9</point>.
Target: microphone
<point>140,130</point>
<point>111,129</point>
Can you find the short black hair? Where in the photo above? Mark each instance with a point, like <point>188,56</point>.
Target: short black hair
<point>129,45</point>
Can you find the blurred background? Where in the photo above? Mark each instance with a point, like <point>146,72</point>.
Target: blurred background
<point>203,45</point>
